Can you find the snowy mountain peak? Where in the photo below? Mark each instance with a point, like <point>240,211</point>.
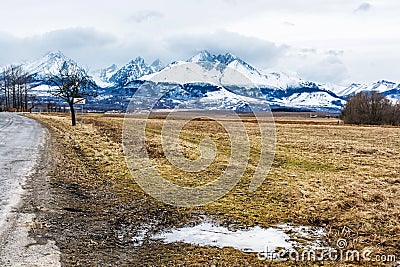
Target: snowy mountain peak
<point>381,86</point>
<point>226,58</point>
<point>278,88</point>
<point>202,56</point>
<point>157,65</point>
<point>250,75</point>
<point>113,67</point>
<point>49,63</point>
<point>103,76</point>
<point>205,56</point>
<point>386,83</point>
<point>55,55</point>
<point>138,59</point>
<point>132,71</point>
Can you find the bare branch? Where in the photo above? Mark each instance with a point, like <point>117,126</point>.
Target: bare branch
<point>69,82</point>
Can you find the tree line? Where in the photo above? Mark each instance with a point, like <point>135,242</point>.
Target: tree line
<point>371,108</point>
<point>14,89</point>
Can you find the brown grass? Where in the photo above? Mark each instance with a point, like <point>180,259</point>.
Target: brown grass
<point>324,174</point>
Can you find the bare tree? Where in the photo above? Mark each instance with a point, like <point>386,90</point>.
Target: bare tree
<point>370,108</point>
<point>15,88</point>
<point>396,113</point>
<point>31,102</point>
<point>5,84</point>
<point>3,99</point>
<point>71,81</point>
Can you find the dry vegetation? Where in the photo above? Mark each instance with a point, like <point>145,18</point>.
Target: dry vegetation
<point>324,174</point>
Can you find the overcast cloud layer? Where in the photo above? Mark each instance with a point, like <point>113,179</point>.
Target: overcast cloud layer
<point>338,41</point>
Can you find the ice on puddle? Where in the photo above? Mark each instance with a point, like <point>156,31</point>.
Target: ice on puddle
<point>255,239</point>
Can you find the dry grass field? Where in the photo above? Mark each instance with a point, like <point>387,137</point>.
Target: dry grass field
<point>324,174</point>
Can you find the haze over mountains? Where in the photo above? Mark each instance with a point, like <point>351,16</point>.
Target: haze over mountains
<point>279,90</point>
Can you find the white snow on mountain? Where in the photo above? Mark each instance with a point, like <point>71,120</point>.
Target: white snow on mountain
<point>225,94</point>
<point>102,76</point>
<point>239,72</point>
<point>224,99</point>
<point>157,65</point>
<point>255,77</point>
<point>244,80</point>
<point>49,63</point>
<point>40,68</point>
<point>41,90</point>
<point>334,88</point>
<point>182,72</point>
<point>204,56</point>
<point>381,86</point>
<point>236,77</point>
<point>164,74</point>
<point>311,100</point>
<point>132,71</point>
<point>271,80</point>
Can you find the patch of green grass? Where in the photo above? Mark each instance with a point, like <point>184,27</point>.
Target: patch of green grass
<point>308,165</point>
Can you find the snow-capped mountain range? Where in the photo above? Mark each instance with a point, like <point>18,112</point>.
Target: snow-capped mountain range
<point>389,89</point>
<point>41,68</point>
<point>279,90</point>
<point>49,63</point>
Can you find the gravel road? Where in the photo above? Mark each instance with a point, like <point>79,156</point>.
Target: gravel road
<point>21,143</point>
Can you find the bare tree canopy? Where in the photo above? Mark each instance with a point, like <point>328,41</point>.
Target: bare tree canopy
<point>371,108</point>
<point>15,89</point>
<point>70,81</point>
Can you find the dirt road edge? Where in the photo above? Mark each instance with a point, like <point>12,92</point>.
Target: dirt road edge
<point>19,246</point>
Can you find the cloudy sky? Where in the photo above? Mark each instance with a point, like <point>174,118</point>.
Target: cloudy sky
<point>337,41</point>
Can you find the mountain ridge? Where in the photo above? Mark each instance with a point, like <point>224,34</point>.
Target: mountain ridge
<point>278,88</point>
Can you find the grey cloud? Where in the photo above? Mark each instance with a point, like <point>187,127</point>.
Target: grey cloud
<point>329,69</point>
<point>231,2</point>
<point>73,38</point>
<point>261,53</point>
<point>142,16</point>
<point>363,7</point>
<point>288,23</point>
<point>314,65</point>
<point>309,50</point>
<point>76,42</point>
<point>309,63</point>
<point>335,52</point>
<point>325,69</point>
<point>94,49</point>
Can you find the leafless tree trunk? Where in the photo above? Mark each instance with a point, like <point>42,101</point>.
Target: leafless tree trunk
<point>71,82</point>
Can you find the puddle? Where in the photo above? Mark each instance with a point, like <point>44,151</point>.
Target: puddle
<point>255,239</point>
<point>140,236</point>
<point>136,237</point>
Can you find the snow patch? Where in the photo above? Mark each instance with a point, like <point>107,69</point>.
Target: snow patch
<point>255,239</point>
